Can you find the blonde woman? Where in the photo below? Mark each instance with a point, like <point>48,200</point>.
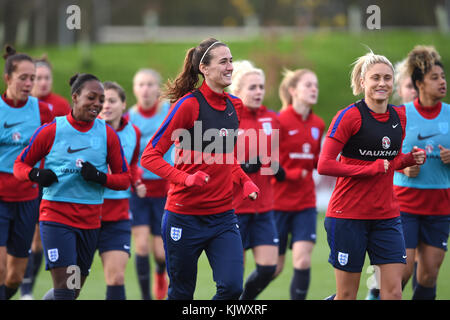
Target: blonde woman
<point>404,92</point>
<point>363,215</point>
<point>257,128</point>
<point>295,197</point>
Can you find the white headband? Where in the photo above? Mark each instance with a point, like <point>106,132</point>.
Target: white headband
<point>207,51</point>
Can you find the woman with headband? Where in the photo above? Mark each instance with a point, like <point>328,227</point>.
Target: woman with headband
<point>203,123</point>
<point>363,214</point>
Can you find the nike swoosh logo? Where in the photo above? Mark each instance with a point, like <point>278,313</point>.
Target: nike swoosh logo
<point>70,150</point>
<point>395,126</point>
<point>230,113</point>
<point>10,125</point>
<point>426,137</point>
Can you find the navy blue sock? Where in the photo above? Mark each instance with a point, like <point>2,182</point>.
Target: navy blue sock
<point>143,273</point>
<point>257,281</point>
<point>49,295</point>
<point>10,292</point>
<point>64,294</point>
<point>424,293</point>
<point>2,292</point>
<point>300,284</point>
<point>33,266</point>
<point>160,267</point>
<point>414,276</point>
<point>115,292</point>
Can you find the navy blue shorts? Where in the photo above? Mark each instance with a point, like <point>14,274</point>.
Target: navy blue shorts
<point>147,211</point>
<point>66,246</point>
<point>17,224</point>
<point>185,237</point>
<point>115,235</point>
<point>300,224</point>
<point>430,229</point>
<point>350,239</point>
<point>258,229</point>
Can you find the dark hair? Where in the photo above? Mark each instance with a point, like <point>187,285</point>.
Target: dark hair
<point>187,80</point>
<point>13,58</point>
<point>78,80</point>
<point>43,62</point>
<point>420,61</point>
<point>115,86</point>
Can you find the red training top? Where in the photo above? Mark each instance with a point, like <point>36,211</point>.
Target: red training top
<point>262,121</point>
<point>58,105</point>
<point>299,152</point>
<point>217,195</point>
<point>363,190</point>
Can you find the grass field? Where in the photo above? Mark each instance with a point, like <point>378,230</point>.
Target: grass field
<point>322,278</point>
<point>329,54</point>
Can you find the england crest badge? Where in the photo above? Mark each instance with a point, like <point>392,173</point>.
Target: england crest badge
<point>175,233</point>
<point>53,254</point>
<point>342,258</point>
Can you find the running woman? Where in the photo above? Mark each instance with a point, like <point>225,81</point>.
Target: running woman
<point>363,214</point>
<point>424,192</point>
<point>147,115</point>
<point>199,212</point>
<point>404,92</point>
<point>20,116</point>
<point>295,197</point>
<point>258,132</point>
<point>79,150</point>
<point>59,106</point>
<point>115,233</point>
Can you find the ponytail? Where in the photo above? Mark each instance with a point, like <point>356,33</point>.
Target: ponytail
<point>188,79</point>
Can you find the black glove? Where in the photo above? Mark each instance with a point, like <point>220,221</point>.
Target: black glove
<point>90,173</point>
<point>281,174</point>
<point>251,167</point>
<point>44,177</point>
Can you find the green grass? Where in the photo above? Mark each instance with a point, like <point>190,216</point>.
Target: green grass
<point>322,278</point>
<point>329,54</point>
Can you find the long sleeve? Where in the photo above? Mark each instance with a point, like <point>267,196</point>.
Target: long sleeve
<point>181,116</point>
<point>328,165</point>
<point>40,145</point>
<point>134,168</point>
<point>119,178</point>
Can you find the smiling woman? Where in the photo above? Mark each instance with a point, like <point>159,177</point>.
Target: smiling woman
<point>19,206</point>
<point>87,104</point>
<point>78,149</point>
<point>199,212</point>
<point>368,134</point>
